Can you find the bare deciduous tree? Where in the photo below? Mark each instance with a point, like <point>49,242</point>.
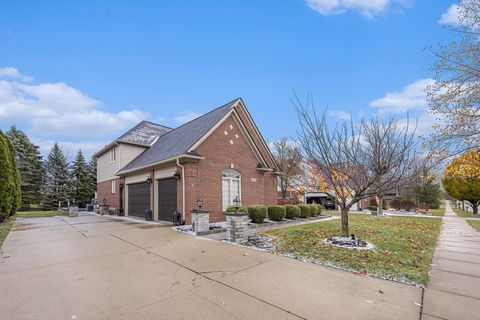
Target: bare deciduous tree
<point>454,97</point>
<point>288,158</point>
<point>357,161</point>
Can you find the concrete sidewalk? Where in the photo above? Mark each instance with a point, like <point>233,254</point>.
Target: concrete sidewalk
<point>98,268</point>
<point>453,291</point>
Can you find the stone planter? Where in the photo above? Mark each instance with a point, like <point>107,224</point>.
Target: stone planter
<point>236,227</point>
<point>73,211</point>
<point>200,221</point>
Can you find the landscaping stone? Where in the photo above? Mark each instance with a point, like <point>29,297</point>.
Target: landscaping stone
<point>260,242</point>
<point>349,243</point>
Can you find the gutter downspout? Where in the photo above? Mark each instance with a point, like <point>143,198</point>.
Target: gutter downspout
<point>183,188</point>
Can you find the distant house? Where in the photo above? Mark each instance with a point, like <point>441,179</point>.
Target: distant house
<point>218,156</point>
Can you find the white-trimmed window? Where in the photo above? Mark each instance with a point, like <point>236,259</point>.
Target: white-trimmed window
<point>113,155</point>
<point>113,186</point>
<point>231,187</point>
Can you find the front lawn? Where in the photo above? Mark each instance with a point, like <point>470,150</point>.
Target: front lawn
<point>5,227</point>
<point>475,224</point>
<point>40,214</point>
<point>440,212</point>
<point>403,245</point>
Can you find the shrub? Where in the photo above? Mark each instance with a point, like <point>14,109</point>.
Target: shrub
<point>257,213</point>
<point>304,210</point>
<point>320,208</point>
<point>284,201</point>
<point>396,203</point>
<point>372,208</point>
<point>313,210</point>
<point>240,209</point>
<point>276,213</point>
<point>292,212</point>
<point>408,205</point>
<point>3,216</point>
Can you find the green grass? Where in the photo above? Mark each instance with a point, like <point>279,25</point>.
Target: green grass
<point>5,227</point>
<point>40,214</point>
<point>440,212</point>
<point>403,245</point>
<point>464,214</point>
<point>475,224</point>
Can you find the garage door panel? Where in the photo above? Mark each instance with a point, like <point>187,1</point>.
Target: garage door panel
<point>167,198</point>
<point>138,199</point>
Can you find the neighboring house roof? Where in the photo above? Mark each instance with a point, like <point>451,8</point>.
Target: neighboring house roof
<point>145,133</point>
<point>178,141</point>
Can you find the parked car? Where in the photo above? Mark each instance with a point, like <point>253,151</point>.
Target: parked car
<point>329,204</point>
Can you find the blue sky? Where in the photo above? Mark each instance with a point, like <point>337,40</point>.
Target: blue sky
<point>81,73</point>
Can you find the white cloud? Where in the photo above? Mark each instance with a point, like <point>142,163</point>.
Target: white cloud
<point>58,109</point>
<point>451,16</point>
<point>339,115</point>
<point>13,73</point>
<point>411,97</point>
<point>368,8</point>
<point>186,116</point>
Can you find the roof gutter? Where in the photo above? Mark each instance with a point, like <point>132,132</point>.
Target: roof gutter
<point>183,189</point>
<point>159,163</point>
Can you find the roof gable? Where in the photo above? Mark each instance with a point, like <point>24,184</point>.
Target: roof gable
<point>179,141</point>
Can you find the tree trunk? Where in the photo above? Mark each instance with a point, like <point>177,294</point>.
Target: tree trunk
<point>345,228</point>
<point>463,205</point>
<point>475,208</point>
<point>380,205</point>
<point>284,194</point>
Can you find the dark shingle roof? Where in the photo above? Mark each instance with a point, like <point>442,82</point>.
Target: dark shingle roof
<point>144,133</point>
<point>177,141</point>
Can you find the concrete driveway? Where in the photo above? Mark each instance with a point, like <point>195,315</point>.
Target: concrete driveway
<point>100,268</point>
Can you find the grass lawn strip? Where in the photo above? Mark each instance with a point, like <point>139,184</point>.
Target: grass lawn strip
<point>5,227</point>
<point>40,214</point>
<point>475,224</point>
<point>464,214</point>
<point>403,246</point>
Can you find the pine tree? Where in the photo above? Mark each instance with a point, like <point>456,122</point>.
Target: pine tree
<point>57,180</point>
<point>10,192</point>
<point>92,177</point>
<point>29,164</point>
<point>79,173</point>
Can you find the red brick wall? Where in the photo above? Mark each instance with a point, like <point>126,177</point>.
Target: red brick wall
<point>104,191</point>
<point>204,178</point>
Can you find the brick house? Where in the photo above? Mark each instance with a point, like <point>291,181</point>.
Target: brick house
<point>217,156</point>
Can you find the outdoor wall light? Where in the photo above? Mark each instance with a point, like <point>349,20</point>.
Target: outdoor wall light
<point>149,180</point>
<point>104,201</point>
<point>236,203</point>
<point>200,203</point>
<point>177,175</point>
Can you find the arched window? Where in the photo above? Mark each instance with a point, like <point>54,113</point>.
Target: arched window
<point>230,187</point>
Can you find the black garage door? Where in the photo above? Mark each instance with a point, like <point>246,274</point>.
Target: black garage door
<point>167,198</point>
<point>138,199</point>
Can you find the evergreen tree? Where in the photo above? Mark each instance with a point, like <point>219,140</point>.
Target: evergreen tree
<point>80,179</point>
<point>57,180</point>
<point>29,164</point>
<point>10,192</point>
<point>92,177</point>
